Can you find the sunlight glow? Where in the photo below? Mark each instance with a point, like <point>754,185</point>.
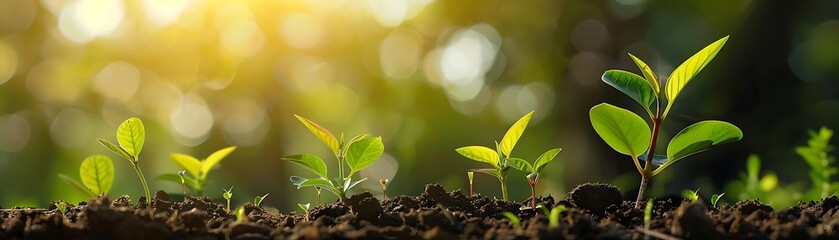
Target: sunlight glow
<point>83,20</point>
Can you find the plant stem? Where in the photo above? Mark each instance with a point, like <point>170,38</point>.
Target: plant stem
<point>503,187</point>
<point>471,189</point>
<point>143,181</point>
<point>533,196</point>
<point>646,174</point>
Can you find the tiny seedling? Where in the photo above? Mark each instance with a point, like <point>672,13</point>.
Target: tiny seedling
<point>648,214</point>
<point>715,199</point>
<point>816,154</point>
<point>258,199</point>
<point>317,189</point>
<point>357,153</point>
<point>305,208</point>
<point>131,135</point>
<point>690,195</point>
<point>628,134</point>
<point>553,218</point>
<point>62,207</point>
<point>533,171</point>
<point>513,219</point>
<point>228,194</point>
<point>197,169</point>
<point>240,214</point>
<point>97,174</point>
<point>182,175</point>
<point>471,176</point>
<point>384,182</point>
<point>751,184</point>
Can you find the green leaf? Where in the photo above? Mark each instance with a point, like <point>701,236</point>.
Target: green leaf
<point>302,182</point>
<point>480,154</point>
<point>215,158</point>
<point>304,207</point>
<point>716,198</point>
<point>351,185</point>
<point>97,173</point>
<point>700,137</point>
<point>544,159</point>
<point>688,69</point>
<point>513,219</point>
<point>352,140</point>
<point>175,178</point>
<point>623,130</point>
<point>189,163</point>
<point>632,85</point>
<point>131,135</point>
<point>364,152</point>
<point>514,133</point>
<point>116,149</point>
<point>309,161</point>
<point>520,164</point>
<point>488,171</point>
<point>649,75</point>
<point>553,219</point>
<point>76,184</point>
<point>258,199</point>
<point>753,167</point>
<point>321,133</point>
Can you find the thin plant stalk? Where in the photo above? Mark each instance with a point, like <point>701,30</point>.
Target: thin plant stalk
<point>318,190</point>
<point>143,181</point>
<point>503,180</point>
<point>533,182</point>
<point>647,171</point>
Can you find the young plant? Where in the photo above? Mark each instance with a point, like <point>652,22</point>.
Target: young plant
<point>498,158</point>
<point>182,175</point>
<point>648,214</point>
<point>197,169</point>
<point>691,195</point>
<point>716,198</point>
<point>384,182</point>
<point>61,206</point>
<point>131,135</point>
<point>97,174</point>
<point>816,155</point>
<point>751,184</point>
<point>305,208</point>
<point>533,171</point>
<point>627,132</point>
<point>357,153</point>
<point>228,194</point>
<point>513,219</point>
<point>553,218</point>
<point>258,199</point>
<point>471,176</point>
<point>240,214</point>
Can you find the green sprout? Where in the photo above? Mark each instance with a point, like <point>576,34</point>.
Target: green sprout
<point>716,198</point>
<point>534,170</point>
<point>357,153</point>
<point>182,175</point>
<point>258,199</point>
<point>131,135</point>
<point>648,214</point>
<point>498,158</point>
<point>553,218</point>
<point>513,219</point>
<point>97,174</point>
<point>384,182</point>
<point>471,176</point>
<point>691,195</point>
<point>816,155</point>
<point>305,208</point>
<point>629,134</point>
<point>240,214</point>
<point>228,194</point>
<point>197,169</point>
<point>751,184</point>
<point>61,206</point>
<point>317,189</point>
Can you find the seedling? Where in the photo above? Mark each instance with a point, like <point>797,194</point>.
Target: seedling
<point>240,214</point>
<point>628,134</point>
<point>131,135</point>
<point>648,215</point>
<point>690,195</point>
<point>384,183</point>
<point>816,155</point>
<point>553,218</point>
<point>317,189</point>
<point>716,198</point>
<point>751,184</point>
<point>513,219</point>
<point>498,158</point>
<point>97,174</point>
<point>471,176</point>
<point>228,194</point>
<point>61,206</point>
<point>357,153</point>
<point>305,208</point>
<point>197,169</point>
<point>182,175</point>
<point>534,170</point>
<point>258,199</point>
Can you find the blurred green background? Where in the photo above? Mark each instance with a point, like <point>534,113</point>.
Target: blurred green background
<point>429,76</point>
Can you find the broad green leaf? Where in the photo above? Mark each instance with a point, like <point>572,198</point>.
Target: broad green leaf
<point>309,161</point>
<point>658,159</point>
<point>544,159</point>
<point>700,137</point>
<point>649,75</point>
<point>321,133</point>
<point>350,185</point>
<point>301,182</point>
<point>364,152</point>
<point>480,154</point>
<point>97,173</point>
<point>131,135</point>
<point>488,171</point>
<point>623,130</point>
<point>632,85</point>
<point>688,69</point>
<point>352,140</point>
<point>520,164</point>
<point>175,178</point>
<point>215,158</point>
<point>76,184</point>
<point>514,133</point>
<point>116,149</point>
<point>188,163</point>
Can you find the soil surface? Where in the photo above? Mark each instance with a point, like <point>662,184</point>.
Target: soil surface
<point>594,211</point>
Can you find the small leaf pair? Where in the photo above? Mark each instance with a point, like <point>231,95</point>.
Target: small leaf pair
<point>97,174</point>
<point>197,169</point>
<point>131,136</point>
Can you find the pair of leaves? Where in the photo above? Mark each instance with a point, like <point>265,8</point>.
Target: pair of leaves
<point>199,168</point>
<point>190,181</point>
<point>508,142</point>
<point>646,90</point>
<point>360,154</point>
<point>131,136</point>
<point>97,174</point>
<point>537,166</point>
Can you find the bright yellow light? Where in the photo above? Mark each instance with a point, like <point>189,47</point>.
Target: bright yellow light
<point>83,20</point>
<point>8,63</point>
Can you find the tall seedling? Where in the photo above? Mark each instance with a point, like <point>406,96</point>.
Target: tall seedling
<point>131,135</point>
<point>627,132</point>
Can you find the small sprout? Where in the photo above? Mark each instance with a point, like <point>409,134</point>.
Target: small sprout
<point>628,133</point>
<point>384,183</point>
<point>317,189</point>
<point>131,136</point>
<point>240,214</point>
<point>533,171</point>
<point>97,174</point>
<point>181,174</point>
<point>513,219</point>
<point>61,206</point>
<point>305,208</point>
<point>716,198</point>
<point>691,195</point>
<point>648,214</point>
<point>197,169</point>
<point>228,194</point>
<point>553,218</point>
<point>258,199</point>
<point>471,176</point>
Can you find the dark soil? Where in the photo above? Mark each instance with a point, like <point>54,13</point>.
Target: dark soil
<point>594,211</point>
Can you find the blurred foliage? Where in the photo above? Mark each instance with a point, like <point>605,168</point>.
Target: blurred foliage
<point>426,75</point>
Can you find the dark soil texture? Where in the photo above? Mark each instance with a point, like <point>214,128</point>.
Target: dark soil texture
<point>594,211</point>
